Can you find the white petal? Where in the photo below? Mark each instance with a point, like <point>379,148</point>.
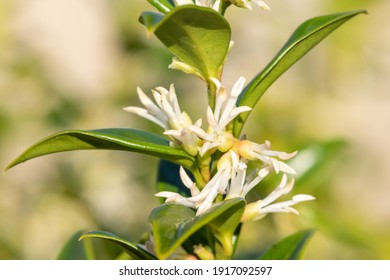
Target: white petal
<point>233,114</point>
<point>201,133</point>
<point>166,194</point>
<point>144,113</point>
<point>183,2</point>
<point>185,178</point>
<point>253,183</point>
<point>283,188</point>
<point>147,102</point>
<point>238,86</point>
<point>302,197</point>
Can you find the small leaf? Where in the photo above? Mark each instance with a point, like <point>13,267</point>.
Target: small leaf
<point>289,248</point>
<point>111,139</point>
<point>163,6</point>
<point>197,36</point>
<point>150,20</point>
<point>305,37</point>
<point>173,223</point>
<point>134,250</point>
<point>75,250</point>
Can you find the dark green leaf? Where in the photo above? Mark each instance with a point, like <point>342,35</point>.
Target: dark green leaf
<point>289,248</point>
<point>134,250</point>
<point>168,178</point>
<point>305,37</point>
<point>198,36</point>
<point>173,224</point>
<point>76,250</point>
<point>112,139</point>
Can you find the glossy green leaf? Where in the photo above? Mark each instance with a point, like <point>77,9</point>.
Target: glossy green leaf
<point>112,139</point>
<point>197,36</point>
<point>76,250</point>
<point>134,250</point>
<point>305,37</point>
<point>163,6</point>
<point>225,227</point>
<point>289,248</point>
<point>173,223</point>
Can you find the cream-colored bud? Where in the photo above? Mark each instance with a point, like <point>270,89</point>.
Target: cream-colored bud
<point>245,149</point>
<point>251,212</point>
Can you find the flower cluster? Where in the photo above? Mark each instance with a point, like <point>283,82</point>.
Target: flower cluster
<point>230,178</point>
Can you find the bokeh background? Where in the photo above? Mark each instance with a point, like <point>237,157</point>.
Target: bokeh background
<point>76,63</point>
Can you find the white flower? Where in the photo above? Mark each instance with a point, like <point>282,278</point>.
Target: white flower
<point>232,181</point>
<point>166,113</point>
<point>225,106</point>
<point>263,152</point>
<point>224,112</point>
<point>259,209</point>
<point>202,200</point>
<point>241,184</point>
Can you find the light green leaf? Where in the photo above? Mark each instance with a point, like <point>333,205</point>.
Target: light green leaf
<point>305,37</point>
<point>75,250</point>
<point>112,139</point>
<point>199,37</point>
<point>173,223</point>
<point>134,250</point>
<point>163,6</point>
<point>289,248</point>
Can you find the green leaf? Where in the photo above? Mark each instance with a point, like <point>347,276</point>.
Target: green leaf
<point>173,223</point>
<point>75,250</point>
<point>225,229</point>
<point>197,36</point>
<point>289,248</point>
<point>305,37</point>
<point>163,6</point>
<point>134,250</point>
<point>112,139</point>
<point>150,20</point>
<point>315,162</point>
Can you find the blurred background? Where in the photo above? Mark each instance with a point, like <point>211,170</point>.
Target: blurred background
<point>75,64</point>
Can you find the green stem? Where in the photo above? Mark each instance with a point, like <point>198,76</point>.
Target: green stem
<point>200,182</point>
<point>212,91</point>
<point>223,6</point>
